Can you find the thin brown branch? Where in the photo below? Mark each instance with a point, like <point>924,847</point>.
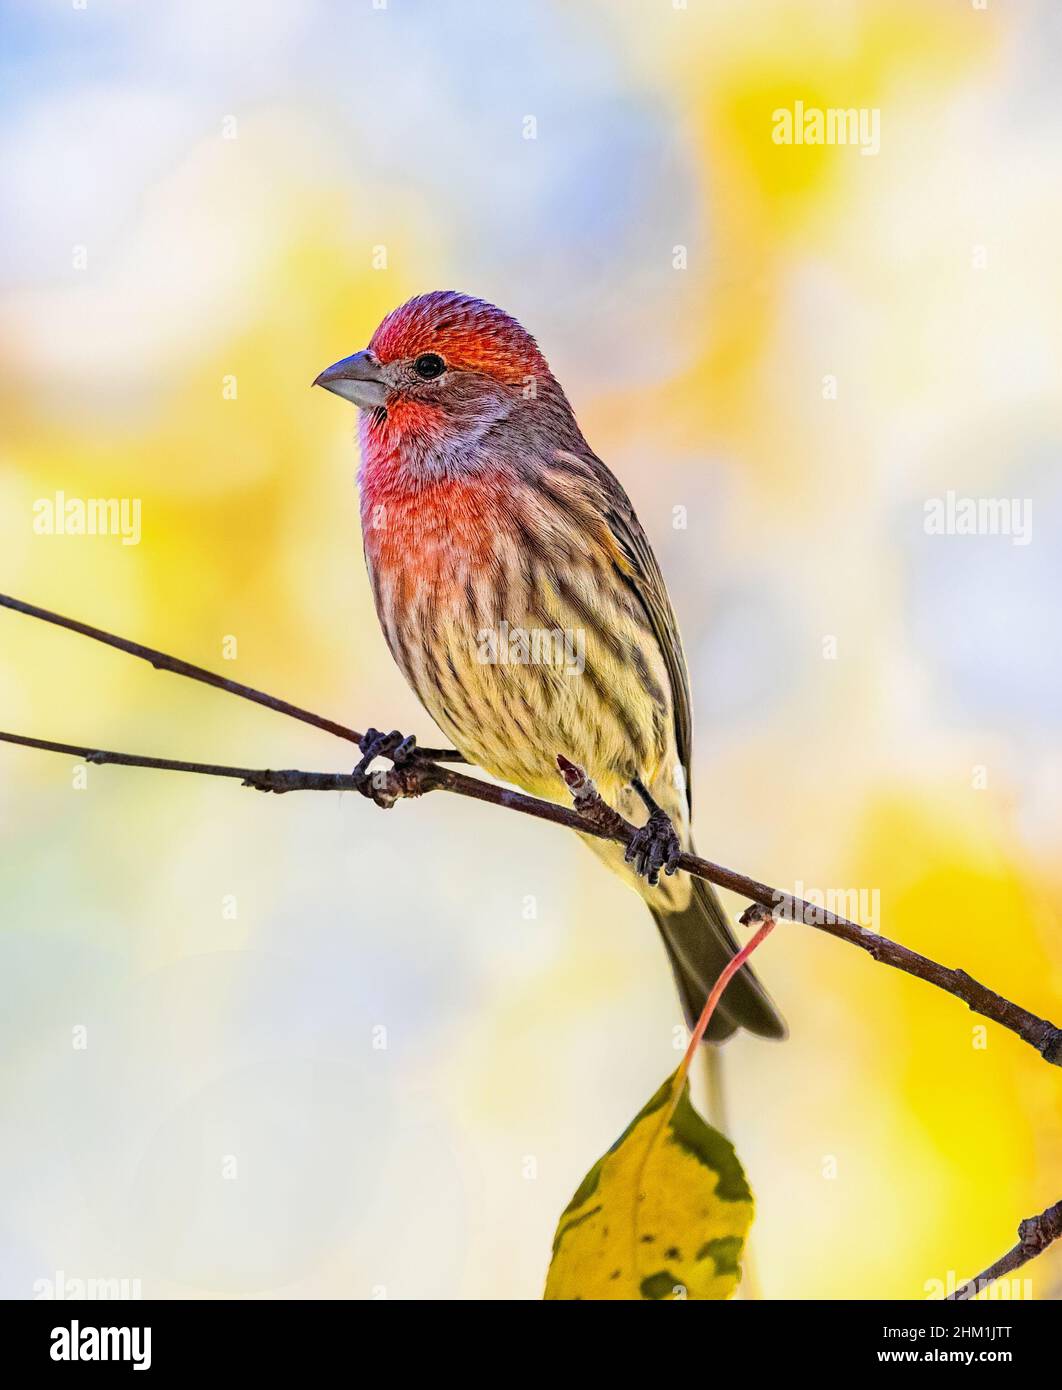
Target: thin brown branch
<point>1035,1234</point>
<point>161,661</point>
<point>266,781</point>
<point>600,819</point>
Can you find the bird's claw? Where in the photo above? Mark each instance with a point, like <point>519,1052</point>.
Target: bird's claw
<point>654,846</point>
<point>383,787</point>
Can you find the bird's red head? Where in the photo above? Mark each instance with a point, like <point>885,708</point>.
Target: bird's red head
<point>442,375</point>
<point>468,334</point>
<point>442,353</point>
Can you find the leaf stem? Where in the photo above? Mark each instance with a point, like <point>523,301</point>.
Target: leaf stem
<point>725,976</point>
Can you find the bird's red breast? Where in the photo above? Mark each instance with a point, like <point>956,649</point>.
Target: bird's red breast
<point>421,529</point>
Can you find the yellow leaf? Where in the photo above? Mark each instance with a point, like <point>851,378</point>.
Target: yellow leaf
<point>664,1214</point>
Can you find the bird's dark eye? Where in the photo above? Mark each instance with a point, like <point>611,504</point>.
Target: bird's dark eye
<point>429,365</point>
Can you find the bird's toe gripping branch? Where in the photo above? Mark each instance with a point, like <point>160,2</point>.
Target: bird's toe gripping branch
<point>654,845</point>
<point>650,847</point>
<point>385,786</point>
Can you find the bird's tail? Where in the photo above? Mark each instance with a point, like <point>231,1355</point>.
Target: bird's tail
<point>699,942</point>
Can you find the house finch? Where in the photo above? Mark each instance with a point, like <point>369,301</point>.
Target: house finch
<point>520,596</point>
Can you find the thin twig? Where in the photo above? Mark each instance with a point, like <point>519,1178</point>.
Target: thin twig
<point>264,780</point>
<point>600,819</point>
<point>163,662</point>
<point>1035,1234</point>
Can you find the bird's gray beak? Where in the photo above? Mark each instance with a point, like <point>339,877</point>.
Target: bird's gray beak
<point>358,379</point>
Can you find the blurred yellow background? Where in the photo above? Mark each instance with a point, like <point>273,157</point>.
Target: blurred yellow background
<point>328,1052</point>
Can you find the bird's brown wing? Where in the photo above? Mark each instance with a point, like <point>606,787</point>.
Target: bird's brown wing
<point>698,938</point>
<point>637,566</point>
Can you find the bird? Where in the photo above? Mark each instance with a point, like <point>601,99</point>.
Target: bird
<point>520,597</point>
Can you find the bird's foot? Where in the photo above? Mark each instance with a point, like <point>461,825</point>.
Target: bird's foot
<point>386,785</point>
<point>654,845</point>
